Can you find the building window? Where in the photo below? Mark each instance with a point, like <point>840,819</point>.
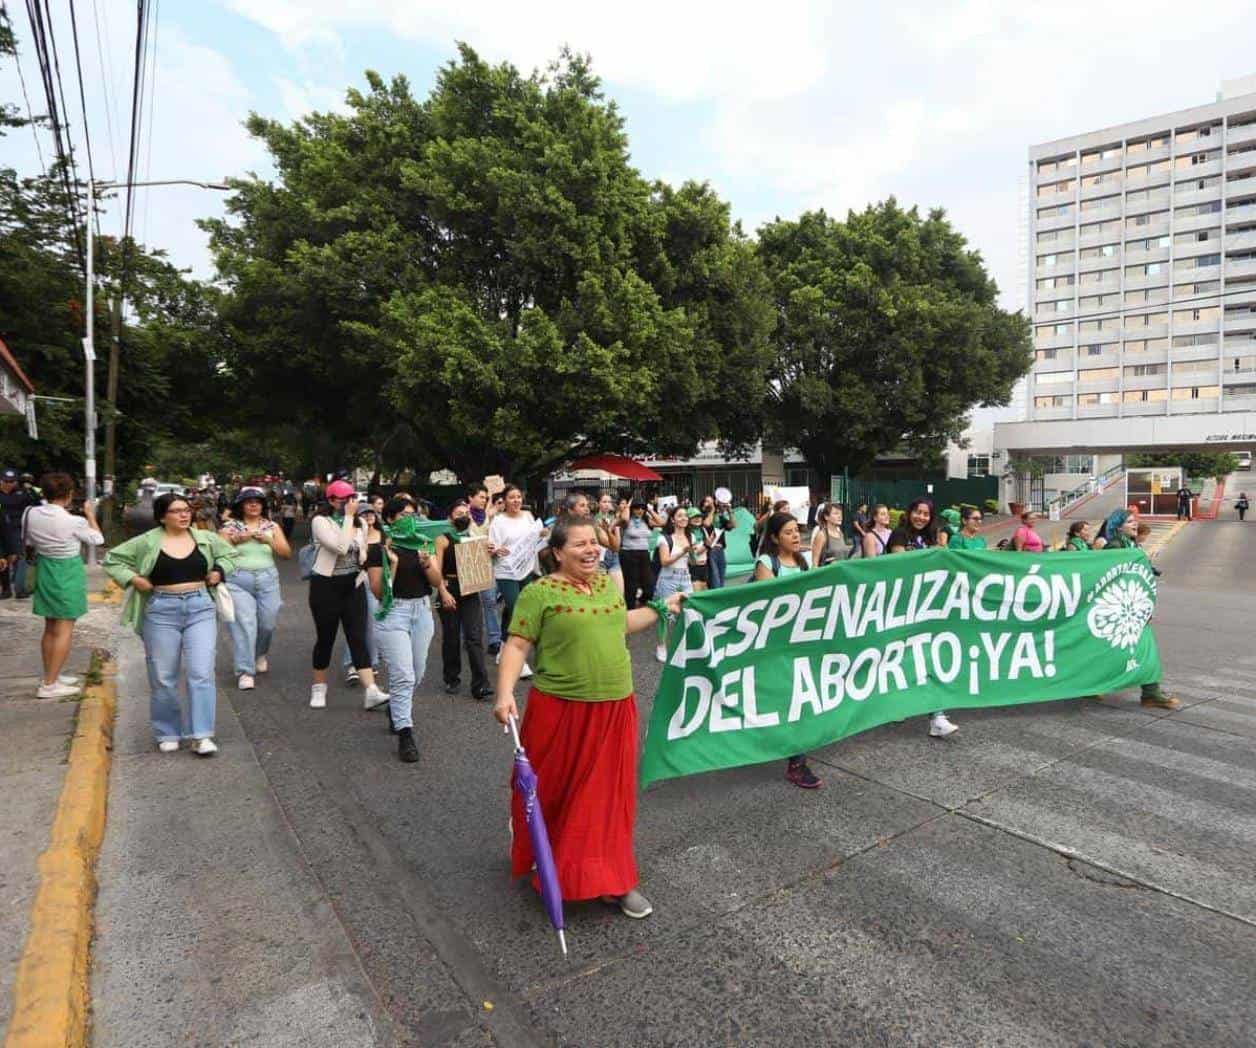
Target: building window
<point>979,465</point>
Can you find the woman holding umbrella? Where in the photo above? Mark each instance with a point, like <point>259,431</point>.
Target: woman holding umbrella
<point>580,728</point>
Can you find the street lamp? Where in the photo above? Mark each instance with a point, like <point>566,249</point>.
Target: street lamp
<point>89,342</point>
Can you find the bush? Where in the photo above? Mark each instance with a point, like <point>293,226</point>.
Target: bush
<point>990,506</point>
<point>895,516</point>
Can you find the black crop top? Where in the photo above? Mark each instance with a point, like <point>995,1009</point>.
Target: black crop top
<point>171,571</point>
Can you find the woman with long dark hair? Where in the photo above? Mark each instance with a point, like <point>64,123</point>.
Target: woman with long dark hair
<point>254,585</point>
<point>672,558</point>
<point>168,572</point>
<point>338,592</point>
<point>829,541</point>
<point>876,537</point>
<point>369,514</point>
<point>634,526</point>
<point>580,723</point>
<point>513,534</point>
<point>782,555</point>
<point>917,530</point>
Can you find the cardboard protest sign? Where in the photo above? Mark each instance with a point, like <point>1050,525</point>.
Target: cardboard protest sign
<point>474,565</point>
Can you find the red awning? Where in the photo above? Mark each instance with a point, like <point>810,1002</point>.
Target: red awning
<point>616,466</point>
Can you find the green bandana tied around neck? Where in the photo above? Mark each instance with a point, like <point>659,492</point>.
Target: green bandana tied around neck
<point>410,533</point>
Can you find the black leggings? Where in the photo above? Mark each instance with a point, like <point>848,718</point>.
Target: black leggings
<point>337,600</point>
<point>638,575</point>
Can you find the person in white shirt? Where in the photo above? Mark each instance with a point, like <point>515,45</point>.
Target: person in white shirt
<point>514,535</point>
<point>57,537</point>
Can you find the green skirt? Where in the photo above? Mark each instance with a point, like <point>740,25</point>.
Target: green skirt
<point>60,588</point>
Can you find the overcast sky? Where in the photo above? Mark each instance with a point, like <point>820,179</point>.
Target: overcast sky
<point>781,106</point>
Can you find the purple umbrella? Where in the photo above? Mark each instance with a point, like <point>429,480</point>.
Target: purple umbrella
<point>546,873</point>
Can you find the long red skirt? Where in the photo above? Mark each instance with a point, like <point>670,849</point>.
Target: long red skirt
<point>585,758</point>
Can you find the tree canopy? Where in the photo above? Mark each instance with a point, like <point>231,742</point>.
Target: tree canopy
<point>887,333</point>
<point>484,276</point>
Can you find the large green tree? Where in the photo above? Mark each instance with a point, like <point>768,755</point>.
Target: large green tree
<point>482,280</point>
<point>887,333</point>
<point>170,386</point>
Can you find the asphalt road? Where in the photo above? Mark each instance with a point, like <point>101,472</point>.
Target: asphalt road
<point>1074,873</point>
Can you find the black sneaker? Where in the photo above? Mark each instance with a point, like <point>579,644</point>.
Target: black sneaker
<point>452,687</point>
<point>483,695</point>
<point>800,774</point>
<point>494,650</point>
<point>407,751</point>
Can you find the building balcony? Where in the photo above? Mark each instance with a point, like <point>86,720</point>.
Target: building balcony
<point>1195,248</point>
<point>1141,206</point>
<point>1107,359</point>
<point>1239,320</point>
<point>1144,407</point>
<point>1050,413</point>
<point>1148,180</point>
<point>1199,406</point>
<point>1186,146</point>
<point>1240,270</point>
<point>1062,361</point>
<point>1146,381</point>
<point>1190,197</point>
<point>1196,274</point>
<point>1208,352</point>
<point>1053,317</point>
<point>1097,165</point>
<point>1191,223</point>
<point>1238,135</point>
<point>1193,171</point>
<point>1060,342</point>
<point>1097,410</point>
<point>1147,156</point>
<point>1111,184</point>
<point>1243,188</point>
<point>1092,265</point>
<point>1244,375</point>
<point>1146,331</point>
<point>1137,283</point>
<point>1054,294</point>
<point>1195,378</point>
<point>1140,255</point>
<point>1241,163</point>
<point>1243,241</point>
<point>1196,327</point>
<point>1238,403</point>
<point>1064,241</point>
<point>1054,221</point>
<point>1056,269</point>
<point>1146,356</point>
<point>1240,215</point>
<point>1100,214</point>
<point>1110,286</point>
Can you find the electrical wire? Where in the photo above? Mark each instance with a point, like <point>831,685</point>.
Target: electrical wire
<point>87,137</point>
<point>150,116</point>
<point>65,115</point>
<point>106,82</point>
<point>30,116</point>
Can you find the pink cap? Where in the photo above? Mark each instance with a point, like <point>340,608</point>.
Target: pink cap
<point>339,489</point>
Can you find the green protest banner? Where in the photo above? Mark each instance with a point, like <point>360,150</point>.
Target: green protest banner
<point>787,665</point>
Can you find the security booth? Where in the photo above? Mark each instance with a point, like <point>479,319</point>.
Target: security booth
<point>1153,490</point>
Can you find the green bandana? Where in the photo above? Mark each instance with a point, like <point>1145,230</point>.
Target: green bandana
<point>409,532</point>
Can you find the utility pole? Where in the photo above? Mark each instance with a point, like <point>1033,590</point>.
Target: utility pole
<point>89,346</point>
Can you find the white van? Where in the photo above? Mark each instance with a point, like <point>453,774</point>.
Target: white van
<point>1245,460</point>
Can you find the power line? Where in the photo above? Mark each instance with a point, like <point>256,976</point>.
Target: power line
<point>65,110</point>
<point>30,116</point>
<point>39,38</point>
<point>87,138</point>
<point>106,81</point>
<point>151,116</point>
<point>141,12</point>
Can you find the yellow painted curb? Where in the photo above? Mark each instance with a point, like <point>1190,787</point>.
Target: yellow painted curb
<point>50,995</point>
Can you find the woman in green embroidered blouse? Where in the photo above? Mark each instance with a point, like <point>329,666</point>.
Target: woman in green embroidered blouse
<point>580,725</point>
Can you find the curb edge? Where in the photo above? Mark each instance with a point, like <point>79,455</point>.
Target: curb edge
<point>51,994</point>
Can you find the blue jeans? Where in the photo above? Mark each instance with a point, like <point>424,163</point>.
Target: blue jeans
<point>492,628</point>
<point>717,564</point>
<point>181,632</point>
<point>404,635</point>
<point>510,589</point>
<point>372,641</point>
<point>257,602</point>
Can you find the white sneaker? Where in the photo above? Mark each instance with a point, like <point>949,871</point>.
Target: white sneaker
<point>263,664</point>
<point>56,691</point>
<point>318,696</point>
<point>352,678</point>
<point>660,653</point>
<point>940,727</point>
<point>497,659</point>
<point>69,681</point>
<point>246,682</point>
<point>204,747</point>
<point>168,745</point>
<point>374,697</point>
<point>526,672</point>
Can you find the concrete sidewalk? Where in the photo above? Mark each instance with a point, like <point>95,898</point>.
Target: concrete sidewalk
<point>35,738</point>
<point>210,927</point>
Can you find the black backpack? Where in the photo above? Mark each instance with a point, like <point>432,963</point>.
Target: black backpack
<point>655,559</point>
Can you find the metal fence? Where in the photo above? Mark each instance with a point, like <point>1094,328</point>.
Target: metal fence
<point>851,492</point>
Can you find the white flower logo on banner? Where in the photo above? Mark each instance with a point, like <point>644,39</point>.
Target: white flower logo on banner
<point>1120,613</point>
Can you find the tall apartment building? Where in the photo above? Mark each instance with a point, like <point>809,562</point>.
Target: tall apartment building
<point>1142,289</point>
